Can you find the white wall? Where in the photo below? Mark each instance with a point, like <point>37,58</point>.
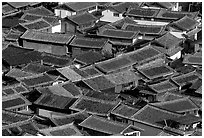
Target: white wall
<point>176,56</point>
<point>56,28</point>
<point>108,16</point>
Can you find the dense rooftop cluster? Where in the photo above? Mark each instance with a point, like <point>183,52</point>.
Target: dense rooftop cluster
<point>101,69</point>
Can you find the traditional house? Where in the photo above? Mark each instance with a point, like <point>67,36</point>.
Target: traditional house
<point>15,102</point>
<point>75,118</point>
<point>114,65</point>
<point>38,25</point>
<point>115,12</point>
<point>41,10</point>
<point>80,45</point>
<point>52,104</point>
<point>124,80</point>
<point>98,126</point>
<point>17,73</point>
<point>194,60</point>
<point>150,115</point>
<point>91,71</point>
<point>126,20</point>
<point>186,106</point>
<point>72,8</point>
<point>52,20</point>
<point>173,6</point>
<point>64,130</point>
<point>162,87</point>
<point>156,71</point>
<point>94,106</point>
<point>78,22</point>
<point>146,32</point>
<point>118,36</point>
<point>122,113</point>
<point>185,79</point>
<point>23,5</point>
<point>169,45</point>
<point>100,83</point>
<point>47,42</point>
<point>38,80</point>
<point>87,58</point>
<point>8,9</point>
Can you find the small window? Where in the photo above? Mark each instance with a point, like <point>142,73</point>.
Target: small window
<point>116,14</point>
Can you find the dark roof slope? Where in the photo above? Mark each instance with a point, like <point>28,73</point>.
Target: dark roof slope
<point>40,11</point>
<point>142,12</point>
<point>89,57</point>
<point>94,106</point>
<point>47,37</point>
<point>78,6</point>
<point>117,33</point>
<point>113,64</point>
<point>123,6</point>
<point>54,101</point>
<point>37,68</point>
<point>83,18</point>
<point>144,29</point>
<point>88,42</point>
<point>7,9</point>
<point>168,40</point>
<point>193,60</point>
<point>99,83</point>
<point>121,22</point>
<point>186,23</point>
<point>39,24</point>
<point>181,105</point>
<point>103,125</point>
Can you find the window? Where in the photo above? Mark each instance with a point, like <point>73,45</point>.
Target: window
<point>116,14</point>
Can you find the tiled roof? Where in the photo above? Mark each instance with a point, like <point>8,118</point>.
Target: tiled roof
<point>143,54</point>
<point>113,64</point>
<point>88,42</point>
<point>40,11</point>
<point>7,9</point>
<point>37,80</point>
<point>163,86</point>
<point>9,22</point>
<point>185,78</point>
<point>13,50</point>
<point>17,73</point>
<point>47,37</point>
<point>122,77</point>
<point>19,4</point>
<point>94,106</point>
<point>58,61</point>
<point>83,18</point>
<point>36,68</point>
<point>192,60</point>
<point>121,22</point>
<point>175,15</point>
<point>14,90</point>
<point>103,125</point>
<point>59,90</point>
<point>14,102</point>
<point>91,71</point>
<point>54,101</point>
<point>117,33</point>
<point>123,6</point>
<point>150,115</point>
<point>9,117</point>
<point>31,17</point>
<point>142,12</point>
<point>144,29</point>
<point>99,83</point>
<point>23,58</point>
<point>156,71</point>
<point>67,119</point>
<point>78,6</point>
<point>12,36</point>
<point>102,95</point>
<point>186,23</point>
<point>188,119</point>
<point>170,96</point>
<point>64,130</point>
<point>185,105</point>
<point>168,41</point>
<point>124,111</point>
<point>39,24</point>
<point>72,88</point>
<point>166,5</point>
<point>70,74</point>
<point>89,57</point>
<point>8,91</point>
